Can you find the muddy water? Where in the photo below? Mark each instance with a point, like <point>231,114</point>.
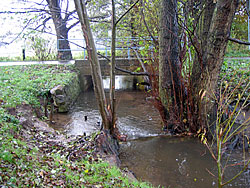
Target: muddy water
<point>176,163</point>
<point>151,155</point>
<point>136,116</point>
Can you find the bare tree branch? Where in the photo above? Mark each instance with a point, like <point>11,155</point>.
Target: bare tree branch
<point>68,14</point>
<point>43,24</point>
<point>73,25</point>
<point>145,23</point>
<point>238,41</point>
<point>67,8</point>
<point>132,73</point>
<point>125,13</point>
<point>7,43</point>
<point>20,12</point>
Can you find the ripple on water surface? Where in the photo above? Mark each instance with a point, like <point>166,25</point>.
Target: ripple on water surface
<point>132,111</point>
<point>161,160</point>
<point>176,162</point>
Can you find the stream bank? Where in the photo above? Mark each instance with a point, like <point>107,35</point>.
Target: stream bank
<point>43,157</point>
<point>32,154</point>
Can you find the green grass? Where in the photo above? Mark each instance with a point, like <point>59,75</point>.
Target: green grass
<point>242,53</point>
<point>26,159</point>
<point>17,58</point>
<point>237,50</point>
<point>27,83</point>
<point>238,69</point>
<point>236,73</point>
<point>28,58</point>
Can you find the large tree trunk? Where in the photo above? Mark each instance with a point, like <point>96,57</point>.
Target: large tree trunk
<point>61,30</point>
<point>62,37</point>
<point>205,23</point>
<point>169,65</point>
<point>203,20</point>
<point>205,72</point>
<point>210,41</point>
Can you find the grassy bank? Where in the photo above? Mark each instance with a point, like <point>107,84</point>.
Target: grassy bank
<point>236,74</point>
<point>33,157</point>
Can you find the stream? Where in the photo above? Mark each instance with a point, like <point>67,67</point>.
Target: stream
<point>154,157</point>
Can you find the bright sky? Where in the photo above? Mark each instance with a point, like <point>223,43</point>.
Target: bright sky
<point>11,25</point>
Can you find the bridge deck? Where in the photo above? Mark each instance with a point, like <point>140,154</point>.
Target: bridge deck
<point>83,65</point>
<point>128,64</point>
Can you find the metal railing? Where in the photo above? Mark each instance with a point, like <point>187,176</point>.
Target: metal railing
<point>124,46</point>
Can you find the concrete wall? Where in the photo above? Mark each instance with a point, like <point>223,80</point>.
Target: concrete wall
<point>128,64</point>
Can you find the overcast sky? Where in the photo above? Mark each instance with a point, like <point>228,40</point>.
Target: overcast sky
<point>11,25</point>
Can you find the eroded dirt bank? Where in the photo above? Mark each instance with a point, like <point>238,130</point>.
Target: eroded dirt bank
<point>38,134</point>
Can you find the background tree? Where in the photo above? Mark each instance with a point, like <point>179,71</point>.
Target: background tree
<point>60,23</point>
<point>36,16</point>
<point>239,30</point>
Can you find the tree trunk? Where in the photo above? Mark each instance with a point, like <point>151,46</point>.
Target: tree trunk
<point>64,52</point>
<point>169,65</point>
<point>112,68</point>
<point>62,37</point>
<point>94,63</point>
<point>205,72</point>
<point>205,23</point>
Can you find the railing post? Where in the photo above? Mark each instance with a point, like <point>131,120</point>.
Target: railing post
<point>128,50</point>
<point>106,50</point>
<point>57,45</point>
